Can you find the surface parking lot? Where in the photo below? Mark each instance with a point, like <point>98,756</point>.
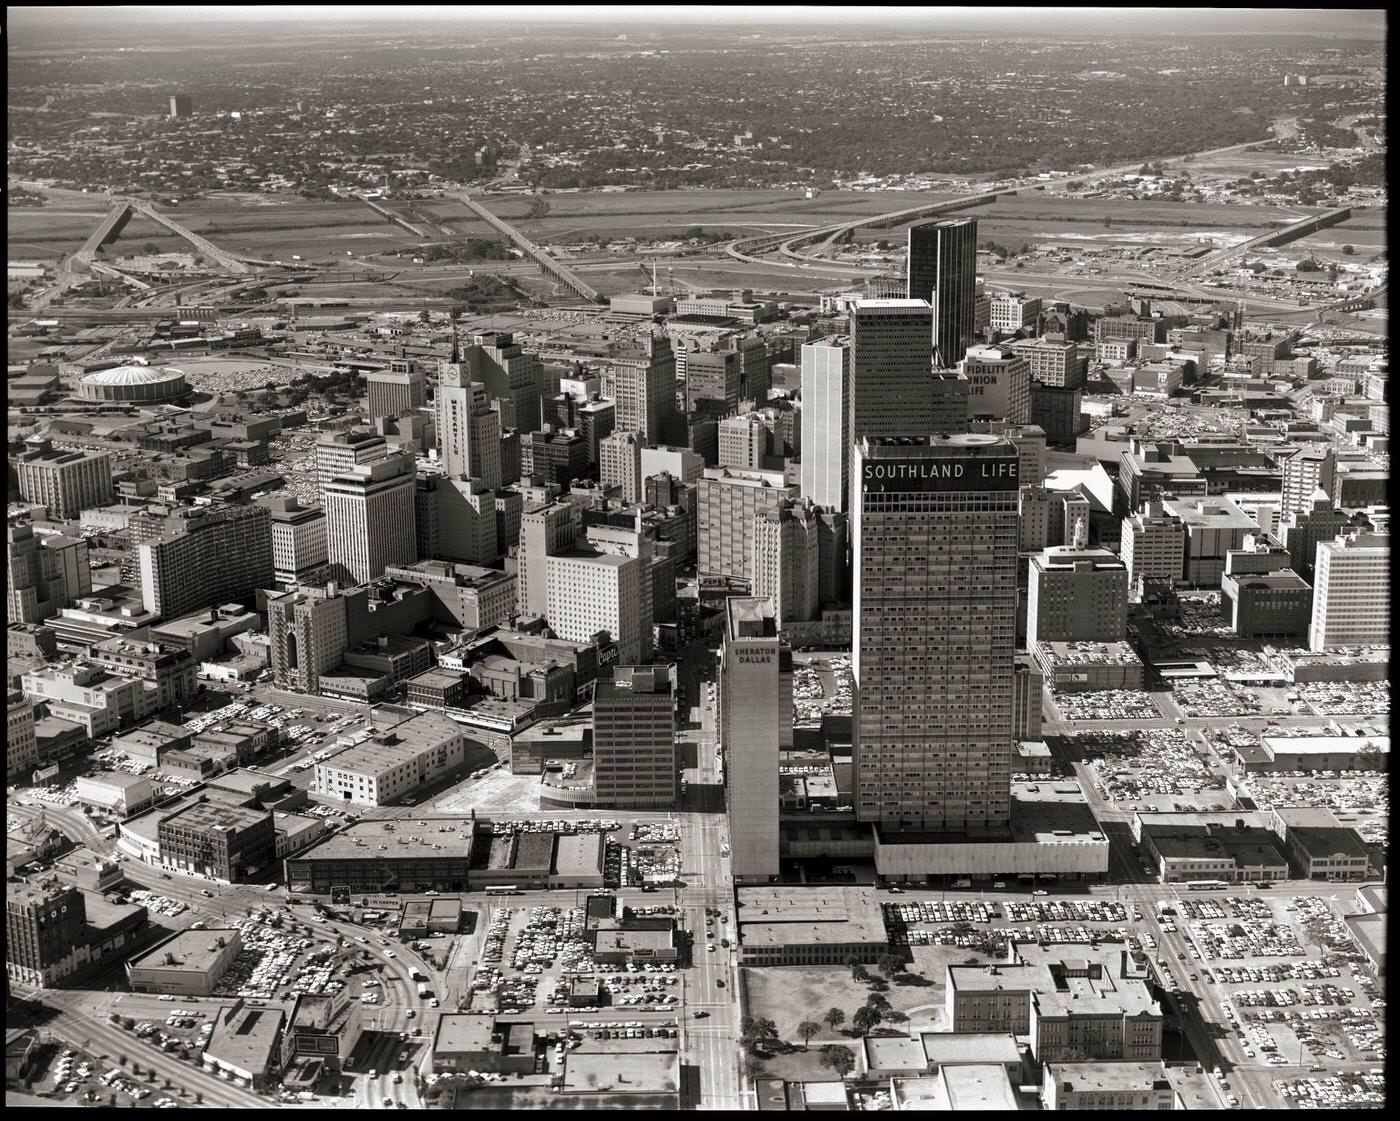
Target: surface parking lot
<point>531,956</point>
<point>1143,766</point>
<point>1291,979</point>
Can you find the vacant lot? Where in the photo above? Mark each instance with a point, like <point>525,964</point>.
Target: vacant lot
<point>787,996</point>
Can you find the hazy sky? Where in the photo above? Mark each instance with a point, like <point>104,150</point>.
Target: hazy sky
<point>1051,18</point>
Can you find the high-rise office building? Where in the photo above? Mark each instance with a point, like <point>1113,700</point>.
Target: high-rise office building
<point>743,442</point>
<point>728,502</point>
<point>1351,592</point>
<point>644,387</point>
<point>545,530</point>
<point>466,519</point>
<point>400,389</point>
<point>942,269</point>
<point>217,555</point>
<point>934,532</point>
<point>620,464</point>
<point>1055,364</point>
<point>298,540</point>
<point>1300,532</point>
<point>634,738</point>
<point>1306,472</point>
<point>43,573</point>
<point>180,106</point>
<point>998,384</point>
<point>590,592</point>
<point>1153,547</point>
<point>67,482</point>
<point>370,519</point>
<point>21,744</point>
<point>514,380</point>
<point>307,636</point>
<point>891,370</point>
<point>785,560</point>
<point>1077,595</point>
<point>755,704</point>
<point>337,452</point>
<point>713,382</point>
<point>468,430</point>
<point>1010,311</point>
<point>45,932</point>
<point>826,422</point>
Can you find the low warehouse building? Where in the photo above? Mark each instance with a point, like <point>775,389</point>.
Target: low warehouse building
<point>190,963</point>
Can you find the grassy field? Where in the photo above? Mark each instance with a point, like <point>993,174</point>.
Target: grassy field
<point>788,995</point>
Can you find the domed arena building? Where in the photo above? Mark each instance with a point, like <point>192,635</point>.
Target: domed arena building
<point>134,384</point>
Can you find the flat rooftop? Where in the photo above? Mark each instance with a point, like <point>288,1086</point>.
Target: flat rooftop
<point>194,951</point>
<point>433,838</point>
<point>780,915</point>
<point>626,1066</point>
<point>247,1039</point>
<point>1084,1078</point>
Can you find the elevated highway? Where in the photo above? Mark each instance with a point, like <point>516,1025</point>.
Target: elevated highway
<point>1291,232</point>
<point>116,274</point>
<point>548,264</point>
<point>399,220</point>
<point>237,265</point>
<point>109,228</point>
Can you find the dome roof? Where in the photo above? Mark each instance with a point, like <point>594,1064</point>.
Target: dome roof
<point>134,375</point>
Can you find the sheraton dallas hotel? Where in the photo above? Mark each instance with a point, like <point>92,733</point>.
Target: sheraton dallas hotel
<point>935,530</point>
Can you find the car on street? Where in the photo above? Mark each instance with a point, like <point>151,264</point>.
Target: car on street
<point>1040,891</point>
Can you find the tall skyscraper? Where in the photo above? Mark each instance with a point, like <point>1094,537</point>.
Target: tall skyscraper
<point>399,389</point>
<point>1306,472</point>
<point>590,592</point>
<point>942,269</point>
<point>43,574</point>
<point>755,697</point>
<point>217,555</point>
<point>620,464</point>
<point>337,452</point>
<point>67,482</point>
<point>307,636</point>
<point>644,387</point>
<point>1351,592</point>
<point>468,430</point>
<point>545,531</point>
<point>826,421</point>
<point>298,540</point>
<point>891,369</point>
<point>370,519</point>
<point>934,527</point>
<point>180,106</point>
<point>634,738</point>
<point>513,379</point>
<point>785,560</point>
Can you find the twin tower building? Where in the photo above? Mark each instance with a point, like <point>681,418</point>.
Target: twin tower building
<point>934,519</point>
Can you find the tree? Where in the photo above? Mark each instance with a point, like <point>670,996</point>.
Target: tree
<point>834,1018</point>
<point>121,1060</point>
<point>198,1098</point>
<point>839,1059</point>
<point>866,1019</point>
<point>858,972</point>
<point>1348,250</point>
<point>755,1032</point>
<point>879,1001</point>
<point>806,1029</point>
<point>149,248</point>
<point>890,964</point>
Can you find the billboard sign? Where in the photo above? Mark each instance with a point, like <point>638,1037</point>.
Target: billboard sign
<point>946,473</point>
